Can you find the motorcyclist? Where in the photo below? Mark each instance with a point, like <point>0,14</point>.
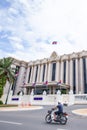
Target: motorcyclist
<point>60,109</point>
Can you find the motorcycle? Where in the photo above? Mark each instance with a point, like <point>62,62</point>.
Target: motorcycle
<point>60,118</point>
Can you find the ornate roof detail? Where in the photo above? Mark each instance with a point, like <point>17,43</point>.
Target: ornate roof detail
<point>36,62</point>
<point>54,55</point>
<point>64,57</point>
<point>44,60</point>
<point>83,53</point>
<point>73,55</point>
<point>30,63</point>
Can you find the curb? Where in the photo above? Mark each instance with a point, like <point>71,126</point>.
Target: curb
<point>81,112</point>
<point>21,108</point>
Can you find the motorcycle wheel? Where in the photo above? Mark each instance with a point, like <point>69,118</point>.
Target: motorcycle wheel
<point>48,118</point>
<point>63,120</point>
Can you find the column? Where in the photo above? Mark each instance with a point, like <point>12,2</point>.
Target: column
<point>41,71</point>
<point>38,75</point>
<point>27,75</point>
<point>71,75</point>
<point>49,72</point>
<point>81,76</point>
<point>61,73</point>
<point>77,76</point>
<point>57,71</point>
<point>34,72</point>
<point>67,71</point>
<point>45,78</point>
<point>86,70</point>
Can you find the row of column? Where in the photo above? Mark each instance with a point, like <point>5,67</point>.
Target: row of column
<point>59,73</point>
<point>39,73</point>
<point>48,72</point>
<point>79,75</point>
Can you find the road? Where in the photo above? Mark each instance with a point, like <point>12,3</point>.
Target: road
<point>35,120</point>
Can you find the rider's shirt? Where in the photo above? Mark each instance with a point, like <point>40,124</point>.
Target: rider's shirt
<point>60,107</point>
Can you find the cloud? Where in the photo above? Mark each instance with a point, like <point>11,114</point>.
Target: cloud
<point>28,28</point>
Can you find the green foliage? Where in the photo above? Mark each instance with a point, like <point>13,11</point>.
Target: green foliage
<point>6,70</point>
<point>2,81</point>
<point>2,84</point>
<point>1,91</point>
<point>63,91</point>
<point>6,73</point>
<point>1,102</point>
<point>8,105</point>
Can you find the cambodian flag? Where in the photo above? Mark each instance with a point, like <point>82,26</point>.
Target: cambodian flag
<point>23,85</point>
<point>59,82</point>
<point>54,42</point>
<point>33,84</point>
<point>45,83</point>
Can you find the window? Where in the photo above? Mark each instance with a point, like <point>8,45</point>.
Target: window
<point>64,76</point>
<point>36,73</point>
<point>29,75</point>
<point>53,71</point>
<point>84,75</point>
<point>74,77</point>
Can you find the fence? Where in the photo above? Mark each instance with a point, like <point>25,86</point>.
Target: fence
<point>81,99</point>
<point>48,99</point>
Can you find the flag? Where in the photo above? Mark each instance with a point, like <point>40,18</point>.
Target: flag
<point>45,83</point>
<point>33,84</point>
<point>24,83</point>
<point>16,74</point>
<point>59,82</point>
<point>54,42</point>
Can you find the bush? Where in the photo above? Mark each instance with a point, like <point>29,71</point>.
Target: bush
<point>63,91</point>
<point>1,102</point>
<point>1,91</point>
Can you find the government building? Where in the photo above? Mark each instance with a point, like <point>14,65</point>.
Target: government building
<point>65,72</point>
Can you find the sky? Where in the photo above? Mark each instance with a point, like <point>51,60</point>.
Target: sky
<point>29,27</point>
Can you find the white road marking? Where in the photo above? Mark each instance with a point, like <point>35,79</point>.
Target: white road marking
<point>9,122</point>
<point>61,129</point>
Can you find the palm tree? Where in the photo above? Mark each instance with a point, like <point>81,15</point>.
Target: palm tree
<point>7,72</point>
<point>2,83</point>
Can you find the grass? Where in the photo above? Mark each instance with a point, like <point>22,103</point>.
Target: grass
<point>8,105</point>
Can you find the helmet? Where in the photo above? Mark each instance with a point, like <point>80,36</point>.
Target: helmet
<point>59,103</point>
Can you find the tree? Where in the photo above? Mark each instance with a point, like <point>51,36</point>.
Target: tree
<point>2,83</point>
<point>6,73</point>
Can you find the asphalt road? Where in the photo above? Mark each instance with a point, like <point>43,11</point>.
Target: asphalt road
<point>35,120</point>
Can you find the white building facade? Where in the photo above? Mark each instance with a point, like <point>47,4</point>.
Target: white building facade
<point>66,72</point>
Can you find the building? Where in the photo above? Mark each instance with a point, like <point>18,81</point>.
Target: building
<point>65,72</point>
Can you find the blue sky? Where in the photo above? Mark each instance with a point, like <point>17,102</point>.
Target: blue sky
<point>28,28</point>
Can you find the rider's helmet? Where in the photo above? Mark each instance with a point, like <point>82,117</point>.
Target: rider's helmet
<point>59,102</point>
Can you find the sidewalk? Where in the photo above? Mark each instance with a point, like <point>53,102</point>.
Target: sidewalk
<point>82,112</point>
<point>20,108</point>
